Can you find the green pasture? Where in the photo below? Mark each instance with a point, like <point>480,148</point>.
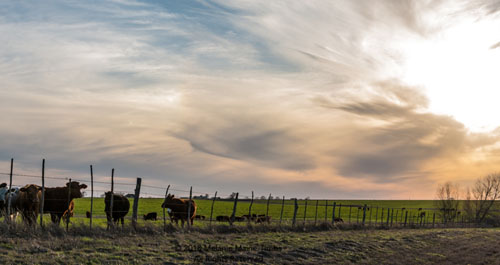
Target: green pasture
<point>376,210</point>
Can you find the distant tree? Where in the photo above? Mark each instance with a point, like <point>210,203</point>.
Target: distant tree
<point>481,199</point>
<point>448,201</point>
<point>263,197</point>
<point>232,196</point>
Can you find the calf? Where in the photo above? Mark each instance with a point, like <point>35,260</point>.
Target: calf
<point>121,206</point>
<point>179,209</point>
<point>69,212</point>
<point>222,218</point>
<point>151,216</point>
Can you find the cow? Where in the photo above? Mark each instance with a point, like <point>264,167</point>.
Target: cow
<point>57,200</point>
<point>69,212</point>
<point>239,219</point>
<point>262,219</point>
<point>3,202</point>
<point>121,206</point>
<point>252,217</point>
<point>179,209</point>
<point>88,214</point>
<point>151,216</point>
<point>12,195</point>
<point>200,217</point>
<point>222,218</point>
<point>338,220</point>
<point>28,203</point>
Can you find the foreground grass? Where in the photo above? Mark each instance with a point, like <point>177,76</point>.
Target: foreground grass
<point>403,246</point>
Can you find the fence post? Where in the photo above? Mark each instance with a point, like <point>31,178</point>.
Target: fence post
<point>136,202</point>
<point>376,217</point>
<point>364,214</point>
<point>392,214</point>
<point>250,210</point>
<point>164,217</point>
<point>267,210</point>
<point>43,193</point>
<point>333,212</point>
<point>10,188</point>
<point>233,215</point>
<point>282,208</point>
<point>388,215</point>
<point>382,217</point>
<point>212,209</point>
<point>189,207</point>
<point>340,211</point>
<point>397,212</point>
<point>305,212</point>
<point>326,210</point>
<point>433,219</point>
<point>370,218</point>
<point>110,217</point>
<point>406,216</point>
<point>295,212</point>
<point>316,215</point>
<point>350,208</point>
<point>69,201</point>
<point>91,195</point>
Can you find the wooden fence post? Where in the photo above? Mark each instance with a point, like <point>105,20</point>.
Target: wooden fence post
<point>233,215</point>
<point>91,195</point>
<point>333,212</point>
<point>295,212</point>
<point>110,217</point>
<point>268,200</point>
<point>212,209</point>
<point>406,217</point>
<point>340,211</point>
<point>370,219</point>
<point>189,207</point>
<point>282,208</point>
<point>326,210</point>
<point>316,215</point>
<point>392,214</point>
<point>305,212</point>
<point>350,208</point>
<point>364,214</point>
<point>9,203</point>
<point>164,217</point>
<point>69,201</point>
<point>433,219</point>
<point>136,202</point>
<point>388,215</point>
<point>376,217</point>
<point>397,212</point>
<point>42,202</point>
<point>250,210</point>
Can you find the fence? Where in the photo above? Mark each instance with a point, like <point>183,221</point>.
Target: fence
<point>227,209</point>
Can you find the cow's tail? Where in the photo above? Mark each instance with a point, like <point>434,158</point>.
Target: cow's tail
<point>193,205</point>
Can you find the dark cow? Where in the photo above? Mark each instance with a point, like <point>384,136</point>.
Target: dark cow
<point>239,218</point>
<point>88,214</point>
<point>179,209</point>
<point>121,205</point>
<point>200,217</point>
<point>56,199</point>
<point>151,216</point>
<point>338,220</point>
<point>222,218</point>
<point>28,203</point>
<point>263,219</point>
<point>69,212</point>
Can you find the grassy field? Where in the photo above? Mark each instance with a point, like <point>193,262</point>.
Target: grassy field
<point>400,246</point>
<point>259,207</point>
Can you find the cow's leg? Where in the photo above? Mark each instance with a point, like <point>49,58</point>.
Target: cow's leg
<point>123,221</point>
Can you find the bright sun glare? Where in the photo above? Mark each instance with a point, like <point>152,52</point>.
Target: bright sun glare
<point>459,70</point>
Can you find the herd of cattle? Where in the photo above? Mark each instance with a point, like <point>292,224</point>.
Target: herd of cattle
<point>58,202</point>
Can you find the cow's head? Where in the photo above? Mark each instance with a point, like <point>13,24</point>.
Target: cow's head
<point>168,199</point>
<point>75,188</point>
<point>31,192</point>
<point>3,185</point>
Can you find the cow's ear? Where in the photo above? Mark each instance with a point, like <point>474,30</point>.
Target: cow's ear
<point>83,186</point>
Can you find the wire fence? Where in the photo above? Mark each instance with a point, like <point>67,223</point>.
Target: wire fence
<point>151,205</point>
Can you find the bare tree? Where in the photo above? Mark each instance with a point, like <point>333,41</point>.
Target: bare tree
<point>483,196</point>
<point>448,200</point>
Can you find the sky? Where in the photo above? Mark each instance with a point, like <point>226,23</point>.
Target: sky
<point>324,99</point>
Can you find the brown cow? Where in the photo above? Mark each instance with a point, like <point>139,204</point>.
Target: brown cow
<point>28,203</point>
<point>121,205</point>
<point>56,199</point>
<point>69,212</point>
<point>179,209</point>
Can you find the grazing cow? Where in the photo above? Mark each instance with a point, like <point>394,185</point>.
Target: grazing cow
<point>263,219</point>
<point>69,212</point>
<point>222,218</point>
<point>151,216</point>
<point>338,220</point>
<point>179,209</point>
<point>56,199</point>
<point>121,205</point>
<point>200,217</point>
<point>28,203</point>
<point>88,214</point>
